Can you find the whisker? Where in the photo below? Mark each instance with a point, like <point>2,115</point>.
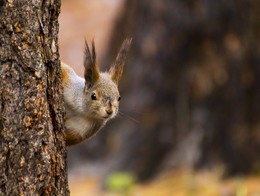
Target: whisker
<point>128,117</point>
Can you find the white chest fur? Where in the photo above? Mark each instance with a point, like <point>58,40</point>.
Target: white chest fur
<point>79,124</point>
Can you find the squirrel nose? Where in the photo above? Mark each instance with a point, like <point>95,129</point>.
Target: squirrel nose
<point>109,111</point>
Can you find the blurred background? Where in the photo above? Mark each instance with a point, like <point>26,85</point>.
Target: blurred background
<point>190,112</point>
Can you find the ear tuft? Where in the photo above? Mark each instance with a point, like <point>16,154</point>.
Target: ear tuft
<point>91,69</point>
<point>117,68</point>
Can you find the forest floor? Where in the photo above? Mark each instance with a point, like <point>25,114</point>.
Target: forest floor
<point>180,183</point>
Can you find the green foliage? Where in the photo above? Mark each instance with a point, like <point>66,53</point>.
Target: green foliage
<point>120,182</point>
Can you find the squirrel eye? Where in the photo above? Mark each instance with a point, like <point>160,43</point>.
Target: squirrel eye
<point>93,96</point>
<point>119,98</point>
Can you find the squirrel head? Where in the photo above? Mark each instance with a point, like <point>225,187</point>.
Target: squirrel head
<point>101,88</point>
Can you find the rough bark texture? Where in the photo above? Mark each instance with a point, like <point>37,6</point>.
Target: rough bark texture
<point>194,81</point>
<point>33,153</point>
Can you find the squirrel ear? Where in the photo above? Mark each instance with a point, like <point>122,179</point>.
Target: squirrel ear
<point>117,68</point>
<point>91,69</point>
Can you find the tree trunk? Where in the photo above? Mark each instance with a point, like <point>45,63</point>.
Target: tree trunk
<point>33,152</point>
<point>194,81</point>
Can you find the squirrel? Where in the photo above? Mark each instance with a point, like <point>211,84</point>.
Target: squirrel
<point>90,102</point>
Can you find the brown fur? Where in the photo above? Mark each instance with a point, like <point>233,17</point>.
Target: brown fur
<point>91,69</point>
<point>65,75</point>
<point>117,69</point>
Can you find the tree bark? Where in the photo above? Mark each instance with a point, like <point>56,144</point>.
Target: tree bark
<point>33,152</point>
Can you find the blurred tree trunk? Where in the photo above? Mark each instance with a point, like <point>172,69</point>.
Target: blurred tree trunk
<point>194,80</point>
<point>33,152</point>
